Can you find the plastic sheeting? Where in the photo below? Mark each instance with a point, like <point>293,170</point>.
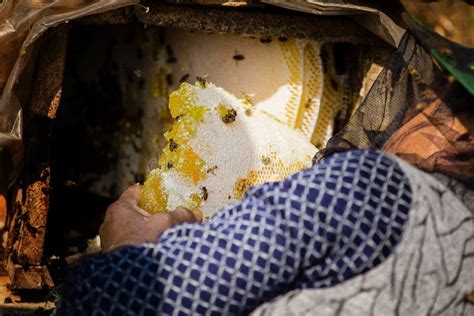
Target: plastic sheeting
<point>21,23</point>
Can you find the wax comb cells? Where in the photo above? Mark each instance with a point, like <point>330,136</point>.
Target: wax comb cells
<point>218,147</point>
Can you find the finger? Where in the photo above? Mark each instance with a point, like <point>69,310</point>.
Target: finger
<point>182,215</point>
<point>131,194</point>
<point>197,215</point>
<point>140,211</point>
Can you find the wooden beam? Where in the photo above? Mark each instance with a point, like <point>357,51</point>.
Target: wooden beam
<point>26,264</point>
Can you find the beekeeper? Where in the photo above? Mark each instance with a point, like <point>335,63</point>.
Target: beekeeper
<point>361,228</point>
<point>360,232</point>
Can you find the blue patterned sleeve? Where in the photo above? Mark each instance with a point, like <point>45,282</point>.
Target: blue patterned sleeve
<point>316,228</point>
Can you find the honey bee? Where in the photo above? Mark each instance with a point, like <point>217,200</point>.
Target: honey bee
<point>171,59</point>
<point>173,145</point>
<point>247,99</point>
<point>266,160</point>
<point>238,57</point>
<point>265,39</point>
<point>205,194</point>
<point>212,170</point>
<point>184,78</point>
<point>201,82</point>
<point>230,116</point>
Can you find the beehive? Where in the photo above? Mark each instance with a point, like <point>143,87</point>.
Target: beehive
<point>95,146</point>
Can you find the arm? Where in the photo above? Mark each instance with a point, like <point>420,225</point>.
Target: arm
<point>314,229</point>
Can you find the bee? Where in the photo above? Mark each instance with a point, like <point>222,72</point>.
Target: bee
<point>247,99</point>
<point>173,145</point>
<point>205,194</point>
<point>230,116</point>
<point>266,39</point>
<point>238,57</point>
<point>266,160</point>
<point>184,78</point>
<point>171,59</point>
<point>212,170</point>
<point>201,82</point>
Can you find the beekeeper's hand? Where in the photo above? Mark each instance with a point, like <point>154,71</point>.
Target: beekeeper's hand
<point>127,224</point>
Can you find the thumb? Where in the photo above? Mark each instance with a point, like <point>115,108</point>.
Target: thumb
<point>131,194</point>
<point>182,215</point>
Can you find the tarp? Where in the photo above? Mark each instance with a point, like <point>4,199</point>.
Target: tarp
<point>21,23</point>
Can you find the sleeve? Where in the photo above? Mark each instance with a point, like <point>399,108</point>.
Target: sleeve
<point>315,229</point>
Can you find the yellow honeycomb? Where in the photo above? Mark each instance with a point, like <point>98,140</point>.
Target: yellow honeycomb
<point>152,197</point>
<point>274,169</point>
<point>232,151</point>
<point>177,153</point>
<point>331,104</point>
<point>306,84</point>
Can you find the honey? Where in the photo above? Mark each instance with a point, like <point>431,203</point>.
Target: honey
<point>153,197</point>
<point>215,152</point>
<point>177,154</point>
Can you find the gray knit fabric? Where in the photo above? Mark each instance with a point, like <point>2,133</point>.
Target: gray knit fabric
<point>430,272</point>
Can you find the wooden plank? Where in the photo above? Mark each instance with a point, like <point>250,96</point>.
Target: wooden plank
<point>240,17</point>
<point>28,216</point>
<point>268,21</point>
<point>13,304</point>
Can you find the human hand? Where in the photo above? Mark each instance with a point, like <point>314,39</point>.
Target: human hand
<point>126,224</point>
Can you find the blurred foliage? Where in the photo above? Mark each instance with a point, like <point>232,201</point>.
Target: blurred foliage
<point>451,19</point>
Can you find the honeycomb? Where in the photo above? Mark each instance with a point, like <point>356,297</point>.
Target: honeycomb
<point>306,83</point>
<point>274,169</point>
<point>217,148</point>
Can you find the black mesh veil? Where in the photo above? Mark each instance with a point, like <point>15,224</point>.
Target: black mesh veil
<point>410,82</point>
<point>397,88</point>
